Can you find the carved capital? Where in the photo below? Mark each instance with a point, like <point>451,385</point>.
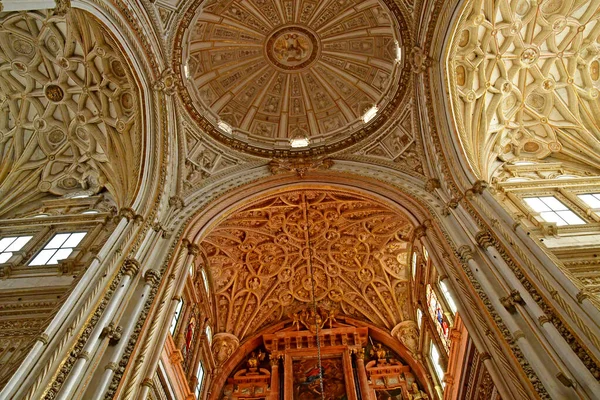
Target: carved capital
<point>176,202</point>
<point>131,266</point>
<point>419,232</point>
<point>85,355</point>
<point>465,253</point>
<point>543,319</point>
<point>432,184</point>
<point>484,239</point>
<point>148,382</point>
<point>43,338</point>
<point>484,356</point>
<point>112,366</point>
<point>477,188</point>
<point>509,302</point>
<point>193,249</point>
<point>582,295</point>
<point>152,277</point>
<point>518,335</point>
<point>129,214</point>
<point>176,357</point>
<point>62,7</point>
<point>453,203</point>
<point>112,332</point>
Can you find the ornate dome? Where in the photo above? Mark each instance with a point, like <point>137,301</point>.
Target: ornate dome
<point>263,72</point>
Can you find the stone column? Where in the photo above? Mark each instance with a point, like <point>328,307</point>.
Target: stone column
<point>151,279</point>
<point>130,269</point>
<point>160,326</point>
<point>365,389</point>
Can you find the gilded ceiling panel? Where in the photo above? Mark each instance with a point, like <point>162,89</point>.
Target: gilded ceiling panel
<point>275,70</point>
<point>524,79</point>
<point>69,111</point>
<point>261,265</point>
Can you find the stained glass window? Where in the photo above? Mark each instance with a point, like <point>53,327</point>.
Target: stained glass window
<point>439,318</point>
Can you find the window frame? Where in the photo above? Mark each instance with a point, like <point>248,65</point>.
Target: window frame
<point>74,250</point>
<point>176,317</point>
<point>563,201</point>
<point>21,251</point>
<point>199,379</point>
<point>435,364</point>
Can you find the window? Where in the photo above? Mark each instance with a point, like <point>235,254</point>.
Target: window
<point>208,332</point>
<point>434,355</point>
<point>176,317</point>
<point>439,318</point>
<point>58,248</point>
<point>200,377</point>
<point>8,245</point>
<point>419,317</point>
<point>205,279</point>
<point>592,200</point>
<point>448,296</point>
<point>553,210</point>
<point>425,254</point>
<point>414,265</point>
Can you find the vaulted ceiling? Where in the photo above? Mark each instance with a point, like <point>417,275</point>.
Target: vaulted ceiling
<point>260,260</point>
<point>524,78</point>
<point>69,110</point>
<point>275,70</point>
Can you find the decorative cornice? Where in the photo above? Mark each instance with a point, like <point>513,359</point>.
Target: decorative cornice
<point>300,167</point>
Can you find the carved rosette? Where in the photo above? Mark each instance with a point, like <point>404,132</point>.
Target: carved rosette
<point>407,333</point>
<point>224,344</point>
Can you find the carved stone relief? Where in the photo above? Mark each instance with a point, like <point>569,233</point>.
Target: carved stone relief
<point>260,264</point>
<point>524,81</point>
<point>69,110</point>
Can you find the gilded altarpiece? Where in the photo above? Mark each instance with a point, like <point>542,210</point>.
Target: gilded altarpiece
<point>320,357</point>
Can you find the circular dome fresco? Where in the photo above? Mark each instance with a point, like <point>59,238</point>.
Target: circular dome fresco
<point>292,78</point>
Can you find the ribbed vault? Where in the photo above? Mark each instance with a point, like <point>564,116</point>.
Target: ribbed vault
<point>524,78</point>
<point>258,260</point>
<point>69,110</point>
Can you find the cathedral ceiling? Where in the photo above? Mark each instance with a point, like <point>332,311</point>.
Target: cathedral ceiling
<point>524,79</point>
<point>259,260</point>
<point>69,110</point>
<point>276,70</point>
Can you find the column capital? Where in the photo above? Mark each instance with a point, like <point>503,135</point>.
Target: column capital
<point>465,253</point>
<point>131,266</point>
<point>484,239</point>
<point>152,277</point>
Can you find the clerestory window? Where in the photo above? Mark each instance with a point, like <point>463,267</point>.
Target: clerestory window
<point>11,244</point>
<point>58,248</point>
<point>551,209</point>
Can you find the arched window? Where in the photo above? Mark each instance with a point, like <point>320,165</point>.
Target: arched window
<point>414,265</point>
<point>440,320</point>
<point>205,280</point>
<point>419,317</point>
<point>208,332</point>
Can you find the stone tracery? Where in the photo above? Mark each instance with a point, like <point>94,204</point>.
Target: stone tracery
<point>259,257</point>
<point>524,81</point>
<point>70,112</point>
